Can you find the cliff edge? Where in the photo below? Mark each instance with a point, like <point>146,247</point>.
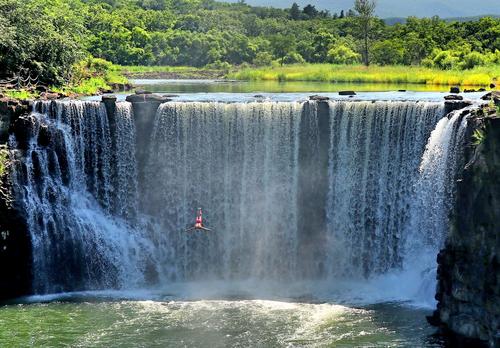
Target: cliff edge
<point>468,290</point>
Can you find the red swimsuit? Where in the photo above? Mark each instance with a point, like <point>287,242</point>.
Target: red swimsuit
<point>199,220</point>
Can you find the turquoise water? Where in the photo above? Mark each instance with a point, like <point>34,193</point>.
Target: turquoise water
<point>94,321</point>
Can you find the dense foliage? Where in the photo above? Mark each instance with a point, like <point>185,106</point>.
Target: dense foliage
<point>48,37</point>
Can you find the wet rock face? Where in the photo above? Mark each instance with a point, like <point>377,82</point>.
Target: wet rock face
<point>10,110</point>
<point>468,291</point>
<point>15,245</point>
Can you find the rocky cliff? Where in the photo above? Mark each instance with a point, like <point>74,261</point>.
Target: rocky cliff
<point>15,244</point>
<point>468,291</point>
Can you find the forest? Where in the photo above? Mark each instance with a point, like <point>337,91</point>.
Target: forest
<point>60,41</point>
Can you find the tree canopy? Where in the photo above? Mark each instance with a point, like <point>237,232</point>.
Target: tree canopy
<point>47,38</point>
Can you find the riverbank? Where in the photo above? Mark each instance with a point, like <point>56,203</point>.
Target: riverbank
<point>90,77</point>
<point>481,76</point>
<point>172,72</point>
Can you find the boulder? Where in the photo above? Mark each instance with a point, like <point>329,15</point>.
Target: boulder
<point>454,97</point>
<point>109,98</point>
<point>146,98</point>
<point>347,93</point>
<point>51,96</point>
<point>495,96</point>
<point>455,89</point>
<point>318,98</point>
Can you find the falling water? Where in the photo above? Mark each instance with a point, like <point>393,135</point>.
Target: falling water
<point>66,188</point>
<point>384,188</point>
<point>240,162</point>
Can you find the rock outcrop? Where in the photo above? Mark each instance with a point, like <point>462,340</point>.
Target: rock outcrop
<point>468,291</point>
<point>15,244</point>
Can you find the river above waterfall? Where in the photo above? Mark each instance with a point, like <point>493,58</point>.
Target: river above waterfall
<point>248,91</point>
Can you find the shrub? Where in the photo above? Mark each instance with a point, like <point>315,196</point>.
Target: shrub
<point>293,58</point>
<point>473,59</point>
<point>263,59</point>
<point>218,65</point>
<point>342,54</point>
<point>445,60</point>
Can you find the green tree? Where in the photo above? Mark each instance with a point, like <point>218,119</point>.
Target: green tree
<point>282,45</point>
<point>388,52</point>
<point>295,11</point>
<point>310,11</point>
<point>366,12</point>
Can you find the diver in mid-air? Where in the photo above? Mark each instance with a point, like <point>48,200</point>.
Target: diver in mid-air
<point>198,225</point>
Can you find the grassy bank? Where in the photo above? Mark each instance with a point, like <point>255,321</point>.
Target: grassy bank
<point>91,77</point>
<point>171,72</point>
<point>481,76</point>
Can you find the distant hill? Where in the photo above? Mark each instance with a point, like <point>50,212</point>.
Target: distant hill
<point>400,8</point>
<point>401,20</point>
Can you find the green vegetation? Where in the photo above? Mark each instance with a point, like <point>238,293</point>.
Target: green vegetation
<point>3,160</point>
<point>52,42</point>
<point>480,76</point>
<point>478,137</point>
<point>19,93</point>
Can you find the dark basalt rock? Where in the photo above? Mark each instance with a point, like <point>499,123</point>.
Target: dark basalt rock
<point>454,97</point>
<point>22,130</point>
<point>51,96</point>
<point>10,111</point>
<point>347,93</point>
<point>109,98</point>
<point>469,90</point>
<point>44,136</point>
<point>455,89</point>
<point>318,98</point>
<point>15,245</point>
<point>495,96</point>
<point>469,266</point>
<point>120,87</point>
<point>493,85</point>
<point>146,98</point>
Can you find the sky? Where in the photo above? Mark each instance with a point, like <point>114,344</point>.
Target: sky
<point>400,8</point>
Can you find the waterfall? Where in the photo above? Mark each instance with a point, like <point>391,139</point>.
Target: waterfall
<point>374,159</point>
<point>65,185</point>
<point>239,162</point>
<point>292,190</point>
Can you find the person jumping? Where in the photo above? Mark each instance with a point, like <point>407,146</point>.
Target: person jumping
<point>198,225</point>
